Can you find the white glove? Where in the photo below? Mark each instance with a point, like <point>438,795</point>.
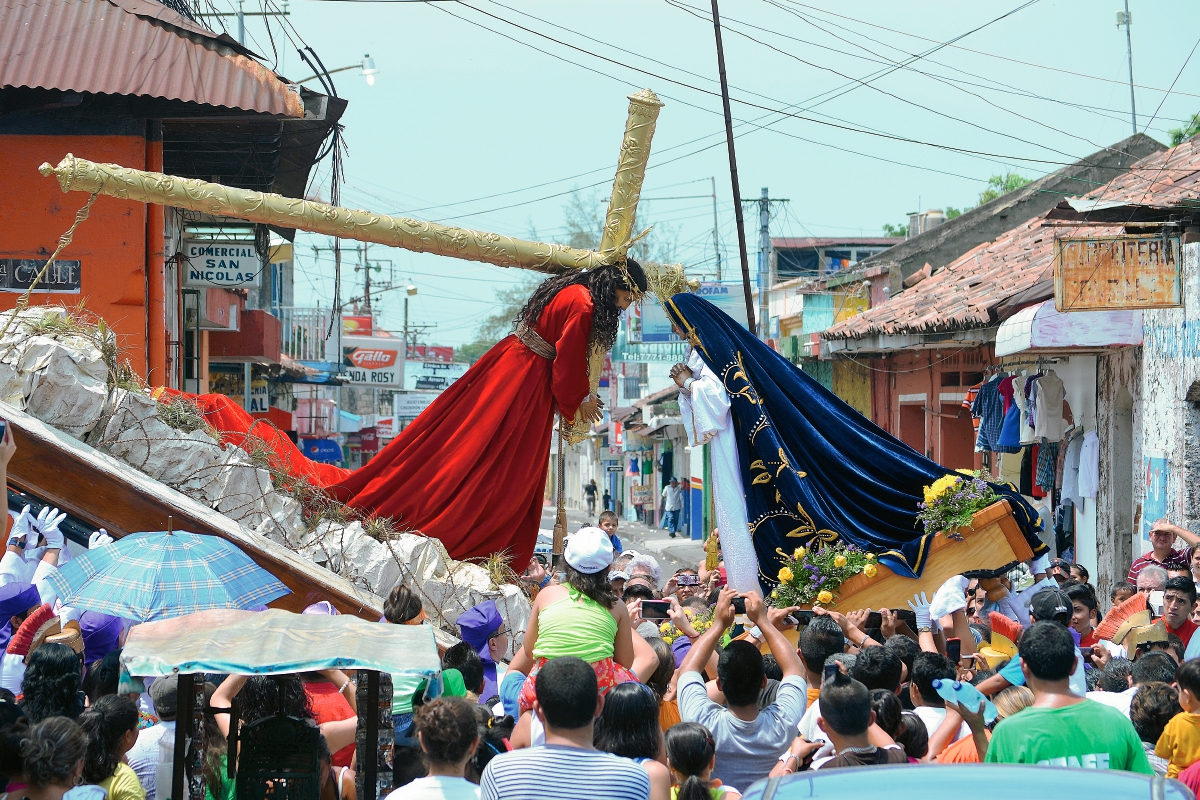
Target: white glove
<point>920,606</point>
<point>949,598</point>
<point>99,539</point>
<point>47,524</point>
<point>21,528</point>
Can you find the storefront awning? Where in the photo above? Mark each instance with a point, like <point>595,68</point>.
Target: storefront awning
<point>1041,328</point>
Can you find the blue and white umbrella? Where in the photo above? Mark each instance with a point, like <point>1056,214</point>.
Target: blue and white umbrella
<point>160,574</point>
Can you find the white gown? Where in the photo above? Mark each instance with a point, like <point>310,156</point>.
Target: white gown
<point>706,416</point>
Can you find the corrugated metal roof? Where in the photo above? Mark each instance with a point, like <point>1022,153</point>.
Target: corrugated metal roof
<point>132,47</point>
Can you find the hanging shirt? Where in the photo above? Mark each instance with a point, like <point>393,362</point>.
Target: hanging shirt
<point>1021,399</point>
<point>1070,481</point>
<point>969,404</point>
<point>990,408</point>
<point>1048,423</point>
<point>1089,466</point>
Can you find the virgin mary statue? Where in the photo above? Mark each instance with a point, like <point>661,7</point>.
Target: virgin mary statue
<point>794,465</point>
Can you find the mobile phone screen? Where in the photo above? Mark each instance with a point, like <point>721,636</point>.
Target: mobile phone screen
<point>954,650</point>
<point>655,609</point>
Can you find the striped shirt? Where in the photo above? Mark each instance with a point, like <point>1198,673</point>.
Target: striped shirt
<point>1178,559</point>
<point>563,773</point>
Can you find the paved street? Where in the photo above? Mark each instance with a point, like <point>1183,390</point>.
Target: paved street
<point>671,553</point>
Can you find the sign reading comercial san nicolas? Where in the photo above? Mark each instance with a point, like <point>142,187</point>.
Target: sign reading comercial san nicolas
<point>226,263</point>
<point>1117,272</point>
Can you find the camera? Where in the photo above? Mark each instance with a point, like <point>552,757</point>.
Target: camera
<point>687,579</point>
<point>739,605</point>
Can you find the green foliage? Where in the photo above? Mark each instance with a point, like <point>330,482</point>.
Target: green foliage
<point>1181,135</point>
<point>1001,184</point>
<point>952,212</point>
<point>895,230</point>
<point>953,500</point>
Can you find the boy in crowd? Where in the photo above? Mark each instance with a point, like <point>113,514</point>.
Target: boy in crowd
<point>1062,728</point>
<point>608,523</point>
<point>845,718</point>
<point>1180,740</point>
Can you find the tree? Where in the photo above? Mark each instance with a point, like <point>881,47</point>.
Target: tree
<point>952,212</point>
<point>1001,184</point>
<point>1181,135</point>
<point>895,230</point>
<point>583,217</point>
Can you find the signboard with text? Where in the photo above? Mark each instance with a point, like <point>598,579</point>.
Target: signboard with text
<point>18,274</point>
<point>373,361</point>
<point>225,263</point>
<point>1117,272</point>
<point>432,375</point>
<point>408,406</point>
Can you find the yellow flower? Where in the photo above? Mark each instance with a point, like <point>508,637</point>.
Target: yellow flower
<point>839,561</point>
<point>665,627</point>
<point>785,574</point>
<point>870,571</point>
<point>799,554</point>
<point>870,556</point>
<point>774,594</point>
<point>935,490</point>
<point>825,597</point>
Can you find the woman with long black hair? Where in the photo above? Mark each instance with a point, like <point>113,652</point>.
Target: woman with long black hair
<point>471,470</point>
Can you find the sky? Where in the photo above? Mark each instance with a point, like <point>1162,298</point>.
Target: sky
<point>477,122</point>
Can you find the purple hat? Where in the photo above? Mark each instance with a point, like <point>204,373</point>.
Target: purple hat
<point>101,635</point>
<point>323,608</point>
<point>476,625</point>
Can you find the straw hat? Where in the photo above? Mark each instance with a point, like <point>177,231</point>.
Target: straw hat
<point>71,636</point>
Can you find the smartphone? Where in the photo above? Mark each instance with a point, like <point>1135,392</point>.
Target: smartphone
<point>687,579</point>
<point>954,650</point>
<point>874,620</point>
<point>831,671</point>
<point>803,617</point>
<point>3,428</point>
<point>1087,653</point>
<point>1155,601</point>
<point>656,609</point>
<point>739,605</point>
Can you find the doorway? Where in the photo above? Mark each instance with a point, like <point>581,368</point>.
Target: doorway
<point>1121,482</point>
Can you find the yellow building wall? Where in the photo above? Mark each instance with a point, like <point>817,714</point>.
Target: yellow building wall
<point>852,383</point>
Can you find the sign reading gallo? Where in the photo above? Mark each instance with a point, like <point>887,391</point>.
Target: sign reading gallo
<point>373,361</point>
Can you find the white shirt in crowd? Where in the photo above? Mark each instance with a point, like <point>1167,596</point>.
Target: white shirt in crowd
<point>143,756</point>
<point>436,787</point>
<point>672,498</point>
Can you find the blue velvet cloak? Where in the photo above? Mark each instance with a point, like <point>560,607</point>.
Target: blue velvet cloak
<point>815,469</point>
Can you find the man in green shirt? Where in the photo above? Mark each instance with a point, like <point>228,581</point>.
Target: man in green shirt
<point>1062,729</point>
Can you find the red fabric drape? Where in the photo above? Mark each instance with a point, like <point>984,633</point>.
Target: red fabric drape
<point>236,425</point>
<point>471,470</point>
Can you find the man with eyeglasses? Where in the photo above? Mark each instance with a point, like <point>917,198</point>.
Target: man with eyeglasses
<point>1162,537</point>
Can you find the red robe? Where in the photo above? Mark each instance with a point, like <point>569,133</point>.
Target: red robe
<point>471,470</point>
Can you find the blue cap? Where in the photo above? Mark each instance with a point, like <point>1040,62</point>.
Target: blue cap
<point>510,693</point>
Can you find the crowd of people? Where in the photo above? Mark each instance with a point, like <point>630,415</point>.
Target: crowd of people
<point>628,683</point>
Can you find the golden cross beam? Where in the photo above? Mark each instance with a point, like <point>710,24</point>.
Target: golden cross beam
<point>77,174</point>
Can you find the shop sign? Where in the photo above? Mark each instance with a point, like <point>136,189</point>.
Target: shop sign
<point>432,375</point>
<point>18,274</point>
<point>1117,272</point>
<point>373,361</point>
<point>409,405</point>
<point>260,400</point>
<point>358,325</point>
<point>642,495</point>
<point>225,263</point>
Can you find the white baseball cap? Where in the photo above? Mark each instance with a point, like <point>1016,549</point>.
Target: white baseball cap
<point>589,550</point>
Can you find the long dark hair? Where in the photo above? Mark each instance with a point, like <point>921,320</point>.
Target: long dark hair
<point>52,683</point>
<point>628,726</point>
<point>594,585</point>
<point>112,716</point>
<point>690,749</point>
<point>603,283</point>
<point>264,696</point>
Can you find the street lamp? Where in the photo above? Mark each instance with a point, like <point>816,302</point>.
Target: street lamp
<point>367,65</point>
<point>409,291</point>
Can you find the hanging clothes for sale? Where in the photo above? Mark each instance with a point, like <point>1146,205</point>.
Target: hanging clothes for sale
<point>1070,477</point>
<point>1010,433</point>
<point>1048,422</point>
<point>1064,527</point>
<point>632,470</point>
<point>1010,468</point>
<point>1022,398</point>
<point>1089,466</point>
<point>1047,459</point>
<point>990,409</point>
<point>1006,390</point>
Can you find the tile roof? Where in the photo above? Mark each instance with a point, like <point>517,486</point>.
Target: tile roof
<point>969,291</point>
<point>793,243</point>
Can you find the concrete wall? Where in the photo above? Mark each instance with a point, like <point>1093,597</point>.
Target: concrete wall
<point>1167,469</point>
<point>1118,416</point>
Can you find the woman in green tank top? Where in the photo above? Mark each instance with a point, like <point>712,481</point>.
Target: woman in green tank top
<point>582,618</point>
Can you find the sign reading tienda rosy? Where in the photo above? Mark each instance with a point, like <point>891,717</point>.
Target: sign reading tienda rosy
<point>373,361</point>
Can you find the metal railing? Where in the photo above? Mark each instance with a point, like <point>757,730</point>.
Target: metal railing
<point>311,334</point>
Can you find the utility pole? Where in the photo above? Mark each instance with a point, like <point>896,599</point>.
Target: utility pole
<point>1126,19</point>
<point>241,15</point>
<point>764,259</point>
<point>367,281</point>
<point>733,175</point>
<point>716,234</point>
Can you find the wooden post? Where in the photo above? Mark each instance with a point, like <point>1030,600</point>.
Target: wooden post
<point>183,727</point>
<point>560,521</point>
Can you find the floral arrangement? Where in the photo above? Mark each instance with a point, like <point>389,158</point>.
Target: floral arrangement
<point>953,500</point>
<point>701,621</point>
<point>812,575</point>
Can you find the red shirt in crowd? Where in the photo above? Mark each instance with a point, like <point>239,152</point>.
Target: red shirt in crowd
<point>1178,559</point>
<point>1184,631</point>
<point>329,705</point>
